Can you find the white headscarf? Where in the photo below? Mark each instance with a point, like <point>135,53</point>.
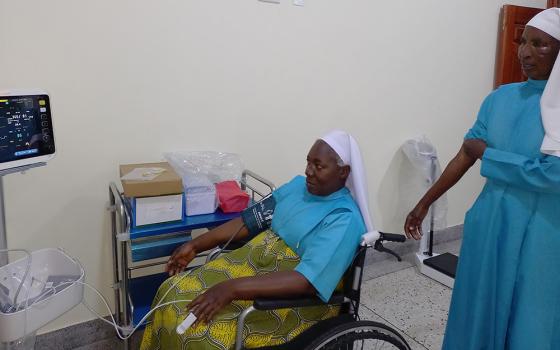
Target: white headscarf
<point>348,150</point>
<point>549,22</point>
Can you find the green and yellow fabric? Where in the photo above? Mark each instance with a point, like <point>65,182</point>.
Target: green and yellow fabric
<point>263,254</point>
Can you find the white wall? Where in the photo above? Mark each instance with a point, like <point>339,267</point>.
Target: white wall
<point>132,79</point>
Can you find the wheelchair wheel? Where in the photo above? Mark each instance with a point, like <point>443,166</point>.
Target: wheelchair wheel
<point>366,335</point>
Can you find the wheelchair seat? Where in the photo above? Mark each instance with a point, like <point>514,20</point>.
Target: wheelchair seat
<point>339,332</point>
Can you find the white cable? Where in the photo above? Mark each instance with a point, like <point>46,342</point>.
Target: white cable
<point>159,305</point>
<point>118,328</point>
<point>28,267</point>
<point>188,272</point>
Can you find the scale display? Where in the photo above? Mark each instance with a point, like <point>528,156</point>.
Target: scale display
<point>26,132</point>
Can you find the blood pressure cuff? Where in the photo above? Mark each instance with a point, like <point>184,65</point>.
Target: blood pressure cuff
<point>258,217</point>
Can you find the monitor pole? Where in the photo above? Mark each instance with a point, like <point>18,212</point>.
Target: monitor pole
<point>3,234</point>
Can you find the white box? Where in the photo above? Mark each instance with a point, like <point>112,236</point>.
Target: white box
<point>154,210</point>
<point>201,201</point>
<point>44,263</point>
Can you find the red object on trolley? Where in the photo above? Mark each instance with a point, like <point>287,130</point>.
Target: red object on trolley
<point>231,198</point>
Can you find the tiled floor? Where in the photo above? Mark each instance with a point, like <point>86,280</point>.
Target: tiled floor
<point>393,293</point>
<point>396,294</point>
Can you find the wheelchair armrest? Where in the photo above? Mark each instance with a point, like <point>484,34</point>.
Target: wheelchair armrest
<point>273,304</point>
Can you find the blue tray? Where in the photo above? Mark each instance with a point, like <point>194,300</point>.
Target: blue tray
<point>188,223</point>
<point>156,248</point>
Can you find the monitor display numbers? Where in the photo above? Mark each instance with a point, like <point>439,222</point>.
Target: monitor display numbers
<point>25,127</point>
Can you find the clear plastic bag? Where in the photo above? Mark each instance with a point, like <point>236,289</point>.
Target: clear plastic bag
<point>215,166</point>
<point>200,170</point>
<point>423,156</point>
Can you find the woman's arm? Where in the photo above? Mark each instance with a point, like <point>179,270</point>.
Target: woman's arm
<point>183,255</point>
<point>281,284</point>
<point>456,168</point>
<point>531,174</point>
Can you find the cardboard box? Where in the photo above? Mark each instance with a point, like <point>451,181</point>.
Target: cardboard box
<point>166,183</point>
<point>155,210</point>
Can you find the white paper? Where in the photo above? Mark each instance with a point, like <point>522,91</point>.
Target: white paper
<point>153,210</point>
<point>143,174</point>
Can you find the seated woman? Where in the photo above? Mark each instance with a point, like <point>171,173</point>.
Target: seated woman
<point>316,228</point>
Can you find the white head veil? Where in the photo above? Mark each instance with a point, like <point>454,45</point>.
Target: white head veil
<point>348,150</point>
<point>549,22</point>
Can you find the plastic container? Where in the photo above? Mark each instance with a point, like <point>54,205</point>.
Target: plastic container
<point>200,200</point>
<point>46,264</point>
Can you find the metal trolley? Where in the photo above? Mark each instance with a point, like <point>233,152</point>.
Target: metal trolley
<point>136,248</point>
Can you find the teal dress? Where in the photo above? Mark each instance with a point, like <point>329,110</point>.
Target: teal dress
<point>324,231</point>
<point>507,289</point>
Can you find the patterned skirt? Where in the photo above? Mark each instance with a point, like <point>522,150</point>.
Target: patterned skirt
<point>263,254</point>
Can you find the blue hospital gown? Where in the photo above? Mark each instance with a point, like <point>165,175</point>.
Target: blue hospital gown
<point>507,290</point>
<point>324,231</point>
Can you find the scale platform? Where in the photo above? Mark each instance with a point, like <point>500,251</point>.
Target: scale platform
<point>441,267</point>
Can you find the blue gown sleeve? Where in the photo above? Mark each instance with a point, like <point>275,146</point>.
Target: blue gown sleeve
<point>480,128</point>
<point>334,246</point>
<point>532,174</point>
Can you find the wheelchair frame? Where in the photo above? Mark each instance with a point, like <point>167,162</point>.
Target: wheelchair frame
<point>320,334</point>
<point>346,323</point>
<point>349,298</point>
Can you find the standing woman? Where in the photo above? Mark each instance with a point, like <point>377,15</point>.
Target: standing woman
<point>507,289</point>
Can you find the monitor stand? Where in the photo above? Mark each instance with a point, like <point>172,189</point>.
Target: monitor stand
<point>3,235</point>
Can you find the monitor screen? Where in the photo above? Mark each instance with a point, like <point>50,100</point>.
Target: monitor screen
<point>26,132</point>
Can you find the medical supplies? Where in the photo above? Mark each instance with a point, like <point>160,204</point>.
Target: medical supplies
<point>41,287</point>
<point>231,198</point>
<point>186,324</point>
<point>155,191</point>
<point>258,217</point>
<point>157,209</point>
<point>200,195</point>
<point>38,292</point>
<point>164,183</point>
<point>5,302</point>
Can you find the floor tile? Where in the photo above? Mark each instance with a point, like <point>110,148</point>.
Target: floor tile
<point>411,302</point>
<point>367,314</point>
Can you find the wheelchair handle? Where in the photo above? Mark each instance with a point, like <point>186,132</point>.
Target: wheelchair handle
<point>392,237</point>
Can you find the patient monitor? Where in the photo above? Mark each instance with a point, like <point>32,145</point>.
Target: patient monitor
<point>26,129</point>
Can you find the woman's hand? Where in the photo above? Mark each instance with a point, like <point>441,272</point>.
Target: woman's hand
<point>180,258</point>
<point>474,148</point>
<point>206,305</point>
<point>413,223</point>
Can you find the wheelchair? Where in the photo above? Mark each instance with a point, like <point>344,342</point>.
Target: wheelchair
<point>343,332</point>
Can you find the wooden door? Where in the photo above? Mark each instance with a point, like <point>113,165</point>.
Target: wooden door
<point>512,23</point>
